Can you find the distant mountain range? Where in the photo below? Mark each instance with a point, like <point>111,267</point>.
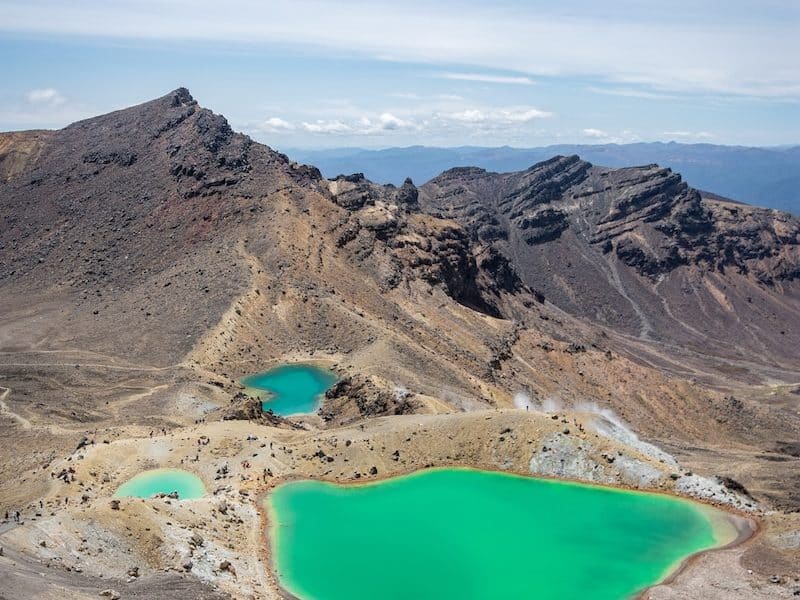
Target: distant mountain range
<point>768,177</point>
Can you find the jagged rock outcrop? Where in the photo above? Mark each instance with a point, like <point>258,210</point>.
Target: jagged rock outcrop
<point>357,397</point>
<point>419,246</point>
<point>247,408</point>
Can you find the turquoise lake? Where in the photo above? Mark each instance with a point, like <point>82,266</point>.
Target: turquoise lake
<point>291,389</point>
<point>163,481</point>
<point>476,535</point>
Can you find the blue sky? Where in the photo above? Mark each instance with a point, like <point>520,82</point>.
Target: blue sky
<point>316,74</point>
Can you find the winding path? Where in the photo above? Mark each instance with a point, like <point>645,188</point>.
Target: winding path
<point>5,410</point>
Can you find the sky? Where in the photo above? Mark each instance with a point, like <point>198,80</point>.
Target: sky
<point>377,73</point>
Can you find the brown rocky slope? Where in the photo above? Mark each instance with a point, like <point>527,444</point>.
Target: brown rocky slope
<point>641,252</point>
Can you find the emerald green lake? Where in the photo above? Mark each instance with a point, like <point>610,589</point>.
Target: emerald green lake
<point>163,481</point>
<point>468,534</point>
<point>292,389</point>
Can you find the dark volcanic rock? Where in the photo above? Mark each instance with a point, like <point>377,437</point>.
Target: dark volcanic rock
<point>357,396</point>
<point>636,249</point>
<point>247,408</point>
<point>408,194</point>
<point>436,251</point>
<point>543,225</point>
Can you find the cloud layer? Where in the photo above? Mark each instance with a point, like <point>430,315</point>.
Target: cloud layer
<point>749,48</point>
<point>48,96</point>
<point>486,78</point>
<point>472,119</point>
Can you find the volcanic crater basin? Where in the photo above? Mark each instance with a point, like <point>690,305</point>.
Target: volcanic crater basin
<point>471,534</point>
<point>147,484</point>
<point>290,389</point>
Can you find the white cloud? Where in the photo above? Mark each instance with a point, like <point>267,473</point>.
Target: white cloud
<point>595,133</point>
<point>388,122</point>
<point>485,78</point>
<point>697,135</point>
<point>405,95</point>
<point>383,123</point>
<point>750,48</point>
<point>42,108</point>
<point>47,96</point>
<point>631,93</point>
<point>518,114</point>
<point>274,125</point>
<point>629,136</point>
<point>449,97</point>
<point>430,120</point>
<point>321,126</point>
<point>626,136</point>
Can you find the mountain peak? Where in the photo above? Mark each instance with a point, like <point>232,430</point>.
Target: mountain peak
<point>181,97</point>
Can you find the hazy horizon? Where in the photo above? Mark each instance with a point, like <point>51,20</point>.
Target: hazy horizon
<point>786,146</point>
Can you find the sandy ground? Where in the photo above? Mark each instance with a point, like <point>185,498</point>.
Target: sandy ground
<point>79,529</point>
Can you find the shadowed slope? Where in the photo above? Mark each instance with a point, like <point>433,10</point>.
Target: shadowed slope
<point>639,251</point>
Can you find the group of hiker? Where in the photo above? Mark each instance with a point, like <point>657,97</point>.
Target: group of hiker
<point>15,516</point>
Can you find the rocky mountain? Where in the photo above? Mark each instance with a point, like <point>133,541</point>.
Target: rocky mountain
<point>113,211</point>
<point>768,177</point>
<point>529,321</point>
<point>641,252</point>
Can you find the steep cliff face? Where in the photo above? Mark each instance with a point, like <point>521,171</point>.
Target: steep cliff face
<point>385,231</point>
<point>639,250</point>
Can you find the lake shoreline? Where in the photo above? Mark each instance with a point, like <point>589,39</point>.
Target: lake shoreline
<point>291,389</point>
<point>746,526</point>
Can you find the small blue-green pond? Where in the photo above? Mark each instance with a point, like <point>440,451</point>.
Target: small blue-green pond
<point>163,481</point>
<point>291,389</point>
